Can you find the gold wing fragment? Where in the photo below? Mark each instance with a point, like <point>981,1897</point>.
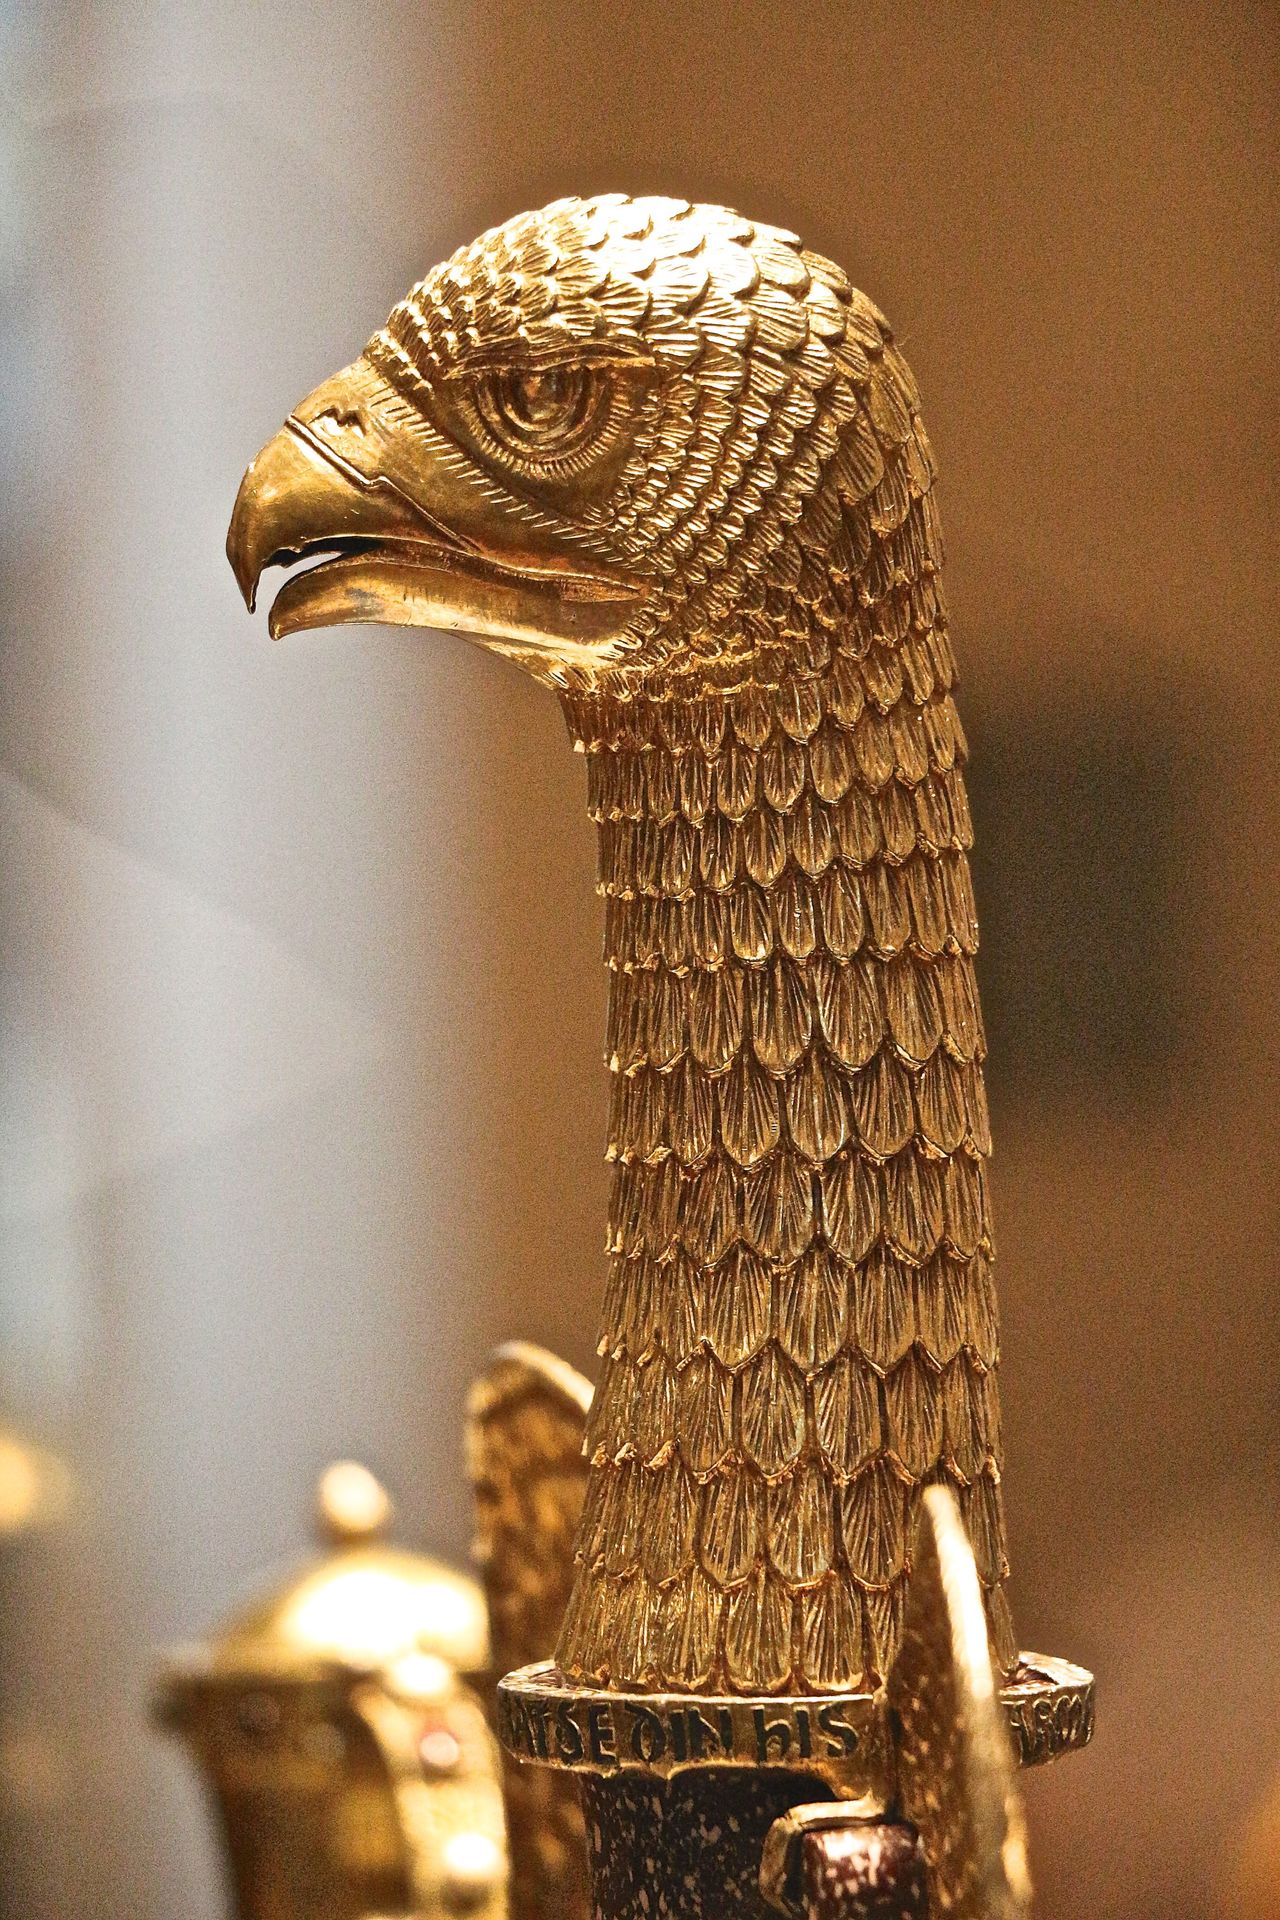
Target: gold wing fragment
<point>526,1417</point>
<point>955,1757</point>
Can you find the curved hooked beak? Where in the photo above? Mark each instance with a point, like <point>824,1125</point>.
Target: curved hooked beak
<point>405,532</point>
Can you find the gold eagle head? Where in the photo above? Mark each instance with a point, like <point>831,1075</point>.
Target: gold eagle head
<point>627,442</point>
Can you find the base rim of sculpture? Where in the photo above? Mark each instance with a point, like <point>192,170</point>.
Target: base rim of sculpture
<point>843,1738</point>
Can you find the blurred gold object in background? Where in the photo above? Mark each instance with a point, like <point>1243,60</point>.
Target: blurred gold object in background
<point>339,1728</point>
<point>526,1417</point>
<point>34,1485</point>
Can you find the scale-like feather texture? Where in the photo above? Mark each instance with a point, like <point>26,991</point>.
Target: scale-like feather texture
<point>799,1328</point>
<point>525,1419</point>
<point>800,1131</point>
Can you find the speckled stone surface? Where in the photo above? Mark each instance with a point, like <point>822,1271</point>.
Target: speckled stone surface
<point>863,1873</point>
<point>687,1848</point>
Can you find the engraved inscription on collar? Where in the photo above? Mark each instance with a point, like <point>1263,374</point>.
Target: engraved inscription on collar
<point>844,1738</point>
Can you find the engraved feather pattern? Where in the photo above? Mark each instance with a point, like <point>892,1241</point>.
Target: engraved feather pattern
<point>799,1330</point>
<point>525,1420</point>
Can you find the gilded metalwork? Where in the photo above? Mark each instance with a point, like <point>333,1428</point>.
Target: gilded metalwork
<point>843,1738</point>
<point>526,1417</point>
<point>955,1763</point>
<point>672,463</point>
<point>340,1731</point>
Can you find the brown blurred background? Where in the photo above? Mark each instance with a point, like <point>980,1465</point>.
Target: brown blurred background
<point>302,1012</point>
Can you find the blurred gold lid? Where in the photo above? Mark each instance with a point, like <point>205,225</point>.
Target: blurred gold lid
<point>362,1604</point>
<point>335,1722</point>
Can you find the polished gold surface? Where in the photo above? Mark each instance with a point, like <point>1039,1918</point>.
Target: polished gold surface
<point>339,1729</point>
<point>362,1603</point>
<point>673,463</point>
<point>843,1739</point>
<point>526,1416</point>
<point>955,1764</point>
<point>846,1739</point>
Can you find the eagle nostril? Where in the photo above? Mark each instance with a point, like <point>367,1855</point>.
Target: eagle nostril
<point>348,418</point>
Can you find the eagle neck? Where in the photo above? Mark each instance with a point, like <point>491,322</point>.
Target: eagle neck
<point>798,1235</point>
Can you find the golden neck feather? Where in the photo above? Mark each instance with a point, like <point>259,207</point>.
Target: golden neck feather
<point>799,1328</point>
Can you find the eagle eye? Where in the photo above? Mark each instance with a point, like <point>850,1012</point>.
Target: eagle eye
<point>543,420</point>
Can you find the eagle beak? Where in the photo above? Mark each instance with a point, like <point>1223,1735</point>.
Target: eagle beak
<point>298,498</point>
<point>404,530</point>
